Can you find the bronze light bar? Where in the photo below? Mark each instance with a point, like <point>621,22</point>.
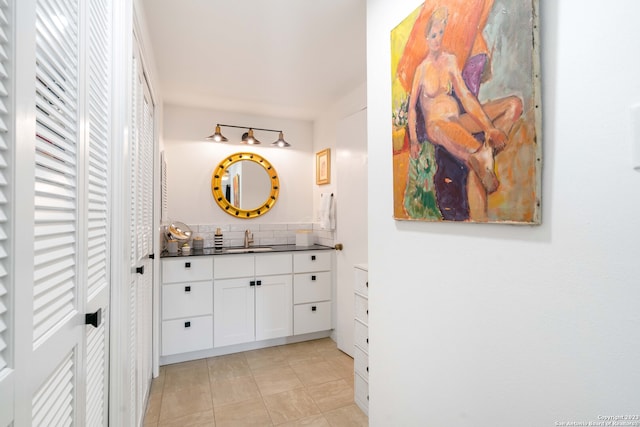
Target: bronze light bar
<point>247,137</point>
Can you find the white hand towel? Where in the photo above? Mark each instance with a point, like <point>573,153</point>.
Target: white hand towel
<point>326,211</point>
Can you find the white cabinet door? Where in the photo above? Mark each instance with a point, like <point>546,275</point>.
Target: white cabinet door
<point>233,311</point>
<point>274,307</point>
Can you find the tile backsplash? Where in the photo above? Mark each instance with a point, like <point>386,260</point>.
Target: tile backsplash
<point>263,234</point>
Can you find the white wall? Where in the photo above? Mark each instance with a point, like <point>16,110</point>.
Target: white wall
<point>191,160</point>
<point>496,325</point>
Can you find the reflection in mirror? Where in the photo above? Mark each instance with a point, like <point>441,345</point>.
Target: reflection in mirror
<point>245,185</point>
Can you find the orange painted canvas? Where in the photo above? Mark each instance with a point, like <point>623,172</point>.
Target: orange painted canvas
<point>466,112</point>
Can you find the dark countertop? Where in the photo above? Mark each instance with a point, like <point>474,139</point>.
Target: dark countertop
<point>223,251</point>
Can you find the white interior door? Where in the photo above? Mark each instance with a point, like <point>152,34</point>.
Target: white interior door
<point>141,223</point>
<point>351,215</point>
<point>60,261</point>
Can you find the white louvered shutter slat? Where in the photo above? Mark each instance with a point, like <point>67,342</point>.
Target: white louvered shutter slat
<point>6,294</point>
<point>56,164</point>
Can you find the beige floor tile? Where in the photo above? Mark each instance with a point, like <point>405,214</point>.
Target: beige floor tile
<point>298,352</point>
<point>315,372</point>
<point>290,406</point>
<point>349,416</point>
<point>231,366</point>
<point>344,368</point>
<point>196,419</point>
<point>185,365</point>
<point>331,395</point>
<point>152,415</point>
<point>233,390</point>
<point>276,380</point>
<point>157,384</point>
<point>243,414</point>
<point>180,402</point>
<point>323,344</point>
<point>265,358</point>
<point>178,379</point>
<point>314,421</point>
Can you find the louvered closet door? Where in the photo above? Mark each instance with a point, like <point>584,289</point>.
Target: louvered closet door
<point>63,153</point>
<point>96,206</point>
<point>141,297</point>
<point>7,142</point>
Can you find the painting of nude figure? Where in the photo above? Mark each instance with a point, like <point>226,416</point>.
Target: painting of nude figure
<point>466,112</point>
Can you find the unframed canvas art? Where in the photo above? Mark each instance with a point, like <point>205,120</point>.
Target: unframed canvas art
<point>466,112</point>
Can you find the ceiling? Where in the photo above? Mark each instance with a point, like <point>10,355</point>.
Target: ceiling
<point>286,58</point>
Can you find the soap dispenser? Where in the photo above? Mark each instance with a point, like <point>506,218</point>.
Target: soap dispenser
<point>217,240</point>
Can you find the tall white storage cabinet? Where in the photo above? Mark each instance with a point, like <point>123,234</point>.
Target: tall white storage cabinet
<point>361,353</point>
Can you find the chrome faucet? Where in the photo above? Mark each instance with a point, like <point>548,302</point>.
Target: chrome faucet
<point>248,238</point>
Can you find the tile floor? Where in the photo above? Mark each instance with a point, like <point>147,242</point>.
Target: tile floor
<point>302,384</point>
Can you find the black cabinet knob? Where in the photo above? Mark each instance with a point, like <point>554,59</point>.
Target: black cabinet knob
<point>140,270</point>
<point>187,324</point>
<point>259,282</point>
<point>93,319</point>
<point>187,265</point>
<point>252,283</point>
<point>313,257</point>
<point>367,284</point>
<point>313,308</point>
<point>313,278</point>
<point>187,289</point>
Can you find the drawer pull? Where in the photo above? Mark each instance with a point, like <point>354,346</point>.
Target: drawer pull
<point>259,282</point>
<point>367,284</point>
<point>367,369</point>
<point>367,340</point>
<point>313,278</point>
<point>187,289</point>
<point>252,283</point>
<point>367,312</point>
<point>313,257</point>
<point>140,270</point>
<point>187,265</point>
<point>313,308</point>
<point>187,324</point>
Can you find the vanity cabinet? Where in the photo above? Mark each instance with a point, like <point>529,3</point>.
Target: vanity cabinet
<point>361,336</point>
<point>252,297</point>
<point>187,305</point>
<point>311,292</point>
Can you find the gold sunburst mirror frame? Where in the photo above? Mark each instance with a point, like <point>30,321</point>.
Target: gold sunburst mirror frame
<point>220,198</point>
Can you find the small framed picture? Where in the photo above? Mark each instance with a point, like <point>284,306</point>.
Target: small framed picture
<point>323,166</point>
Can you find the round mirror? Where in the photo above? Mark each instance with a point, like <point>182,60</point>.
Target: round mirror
<point>245,185</point>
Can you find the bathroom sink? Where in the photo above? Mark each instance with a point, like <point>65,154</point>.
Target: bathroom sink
<point>247,250</point>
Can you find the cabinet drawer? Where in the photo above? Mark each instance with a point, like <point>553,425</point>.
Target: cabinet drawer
<point>312,317</point>
<point>311,261</point>
<point>361,393</point>
<point>361,336</point>
<point>362,309</point>
<point>187,299</point>
<point>361,363</point>
<point>268,264</point>
<point>185,269</point>
<point>229,266</point>
<point>309,287</point>
<point>188,334</point>
<point>361,284</point>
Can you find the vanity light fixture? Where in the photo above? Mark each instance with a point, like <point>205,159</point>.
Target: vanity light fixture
<point>248,137</point>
